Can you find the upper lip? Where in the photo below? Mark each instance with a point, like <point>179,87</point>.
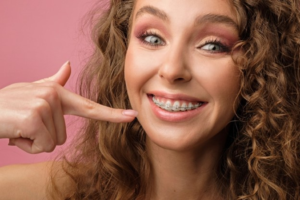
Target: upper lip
<point>176,96</point>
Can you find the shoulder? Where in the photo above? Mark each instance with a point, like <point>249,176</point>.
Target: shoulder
<point>30,181</point>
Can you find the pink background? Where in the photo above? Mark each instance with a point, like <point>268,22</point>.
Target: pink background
<point>36,38</point>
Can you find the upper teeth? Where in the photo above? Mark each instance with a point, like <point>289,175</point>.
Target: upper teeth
<point>175,105</point>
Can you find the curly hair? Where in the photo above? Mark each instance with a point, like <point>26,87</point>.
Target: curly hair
<point>263,161</point>
<point>262,153</point>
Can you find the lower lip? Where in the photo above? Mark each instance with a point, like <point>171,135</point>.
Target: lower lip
<point>174,116</point>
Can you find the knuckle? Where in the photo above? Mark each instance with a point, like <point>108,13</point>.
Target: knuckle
<point>41,108</point>
<point>49,91</point>
<point>89,108</point>
<point>19,133</point>
<point>25,132</point>
<point>52,95</point>
<point>51,84</point>
<point>89,105</point>
<point>41,104</point>
<point>51,146</point>
<point>38,148</point>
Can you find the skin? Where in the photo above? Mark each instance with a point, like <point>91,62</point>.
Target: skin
<point>30,181</point>
<point>170,56</point>
<point>32,113</point>
<point>184,152</point>
<point>32,118</point>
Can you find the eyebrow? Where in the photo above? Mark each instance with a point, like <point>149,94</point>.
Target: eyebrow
<point>214,18</point>
<point>153,11</point>
<point>208,18</point>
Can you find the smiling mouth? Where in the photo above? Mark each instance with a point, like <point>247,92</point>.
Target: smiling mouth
<point>173,105</point>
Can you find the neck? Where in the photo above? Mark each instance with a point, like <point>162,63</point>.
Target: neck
<point>185,174</point>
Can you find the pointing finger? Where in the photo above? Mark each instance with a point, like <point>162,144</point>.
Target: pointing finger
<point>74,104</point>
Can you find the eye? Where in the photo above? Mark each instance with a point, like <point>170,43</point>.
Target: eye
<point>153,40</point>
<point>215,47</point>
<point>212,47</point>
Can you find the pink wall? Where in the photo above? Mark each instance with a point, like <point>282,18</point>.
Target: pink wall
<point>36,38</point>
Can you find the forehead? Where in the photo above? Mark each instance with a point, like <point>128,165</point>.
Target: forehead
<point>185,10</point>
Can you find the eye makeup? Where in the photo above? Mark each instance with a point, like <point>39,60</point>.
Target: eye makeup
<point>213,38</point>
<point>151,38</point>
<point>215,46</point>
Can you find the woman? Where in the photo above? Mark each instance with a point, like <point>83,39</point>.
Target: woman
<point>216,87</point>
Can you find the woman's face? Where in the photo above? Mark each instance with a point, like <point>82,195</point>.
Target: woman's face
<point>179,71</point>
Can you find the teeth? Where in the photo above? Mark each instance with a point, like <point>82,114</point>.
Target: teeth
<point>175,106</point>
<point>190,106</point>
<point>183,107</point>
<point>168,105</point>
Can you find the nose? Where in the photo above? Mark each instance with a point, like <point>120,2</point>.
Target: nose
<point>175,67</point>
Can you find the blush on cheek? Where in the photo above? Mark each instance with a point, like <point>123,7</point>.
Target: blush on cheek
<point>141,62</point>
<point>135,65</point>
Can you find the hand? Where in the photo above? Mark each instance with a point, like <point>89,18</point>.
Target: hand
<point>32,113</point>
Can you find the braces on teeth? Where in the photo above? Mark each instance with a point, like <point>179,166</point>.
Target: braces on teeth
<point>176,106</point>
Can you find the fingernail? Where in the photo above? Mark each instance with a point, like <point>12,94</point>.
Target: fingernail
<point>67,63</point>
<point>130,113</point>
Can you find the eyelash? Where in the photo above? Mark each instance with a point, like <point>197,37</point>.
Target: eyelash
<point>142,37</point>
<point>224,48</point>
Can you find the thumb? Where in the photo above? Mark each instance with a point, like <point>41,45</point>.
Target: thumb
<point>60,77</point>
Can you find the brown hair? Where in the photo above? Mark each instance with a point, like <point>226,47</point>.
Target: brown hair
<point>262,160</point>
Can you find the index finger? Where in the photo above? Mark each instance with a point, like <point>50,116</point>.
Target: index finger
<point>74,104</point>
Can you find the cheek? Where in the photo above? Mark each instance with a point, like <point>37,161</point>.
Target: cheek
<point>221,79</point>
<point>129,67</point>
<point>134,66</point>
<point>138,70</point>
<point>227,88</point>
<point>231,81</point>
<point>140,66</point>
<point>227,85</point>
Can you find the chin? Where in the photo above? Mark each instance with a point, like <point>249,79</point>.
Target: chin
<point>174,139</point>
